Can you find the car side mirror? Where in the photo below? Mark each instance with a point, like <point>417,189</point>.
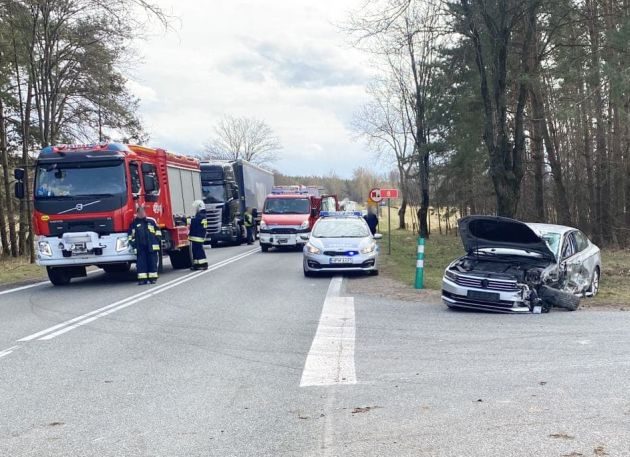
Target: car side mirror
<point>377,236</point>
<point>19,190</point>
<point>305,236</point>
<point>149,184</point>
<point>18,174</point>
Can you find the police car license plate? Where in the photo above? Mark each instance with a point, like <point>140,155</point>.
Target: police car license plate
<point>341,260</point>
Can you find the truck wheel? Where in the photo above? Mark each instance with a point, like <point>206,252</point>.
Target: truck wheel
<point>59,276</point>
<point>180,258</point>
<point>117,267</point>
<point>264,247</point>
<point>559,298</point>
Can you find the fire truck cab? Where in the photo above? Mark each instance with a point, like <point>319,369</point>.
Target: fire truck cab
<point>85,197</point>
<point>290,212</point>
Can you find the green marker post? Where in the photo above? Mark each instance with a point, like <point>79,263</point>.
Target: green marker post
<point>420,265</point>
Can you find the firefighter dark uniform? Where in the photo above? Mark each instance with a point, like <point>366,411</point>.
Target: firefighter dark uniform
<point>249,226</point>
<point>197,236</point>
<point>144,237</point>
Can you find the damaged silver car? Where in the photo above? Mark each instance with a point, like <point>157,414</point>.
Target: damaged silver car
<point>514,267</point>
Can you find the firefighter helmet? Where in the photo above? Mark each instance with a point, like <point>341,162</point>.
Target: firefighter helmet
<point>198,205</point>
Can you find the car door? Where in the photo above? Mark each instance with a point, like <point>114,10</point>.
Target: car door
<point>576,274</point>
<point>589,255</point>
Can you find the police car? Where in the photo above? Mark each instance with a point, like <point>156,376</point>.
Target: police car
<point>340,241</point>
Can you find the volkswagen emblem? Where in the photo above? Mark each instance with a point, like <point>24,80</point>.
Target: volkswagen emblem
<point>485,283</point>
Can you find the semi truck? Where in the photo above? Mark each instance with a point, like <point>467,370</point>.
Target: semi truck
<point>290,212</point>
<point>86,196</point>
<point>229,188</point>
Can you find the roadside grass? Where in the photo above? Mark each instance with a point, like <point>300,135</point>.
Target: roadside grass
<point>440,250</point>
<point>19,270</point>
<point>615,283</point>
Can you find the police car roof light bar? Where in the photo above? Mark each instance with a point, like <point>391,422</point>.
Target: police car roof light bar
<point>341,214</point>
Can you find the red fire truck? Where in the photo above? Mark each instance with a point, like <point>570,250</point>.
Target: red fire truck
<point>85,197</point>
<point>291,211</point>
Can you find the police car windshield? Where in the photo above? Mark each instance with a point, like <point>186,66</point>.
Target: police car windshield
<point>67,180</point>
<point>287,206</point>
<point>340,228</point>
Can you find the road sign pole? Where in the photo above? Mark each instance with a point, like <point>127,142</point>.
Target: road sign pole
<point>389,226</point>
<point>420,265</point>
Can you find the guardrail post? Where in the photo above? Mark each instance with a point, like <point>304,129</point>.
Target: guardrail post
<point>420,265</point>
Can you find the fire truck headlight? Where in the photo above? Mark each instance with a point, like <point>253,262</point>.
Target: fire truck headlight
<point>44,248</point>
<point>312,249</point>
<point>304,225</point>
<point>122,244</point>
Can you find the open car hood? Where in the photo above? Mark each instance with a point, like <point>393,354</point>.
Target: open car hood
<point>487,232</point>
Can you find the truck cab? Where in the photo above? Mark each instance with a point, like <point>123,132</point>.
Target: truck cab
<point>221,194</point>
<point>229,188</point>
<point>289,213</point>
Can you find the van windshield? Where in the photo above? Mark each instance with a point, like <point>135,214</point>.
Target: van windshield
<point>287,206</point>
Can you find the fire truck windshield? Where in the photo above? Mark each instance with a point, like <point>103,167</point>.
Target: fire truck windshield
<point>84,179</point>
<point>214,193</point>
<point>287,206</point>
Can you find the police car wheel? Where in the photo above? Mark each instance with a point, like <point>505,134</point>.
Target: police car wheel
<point>373,273</point>
<point>264,247</point>
<point>309,274</point>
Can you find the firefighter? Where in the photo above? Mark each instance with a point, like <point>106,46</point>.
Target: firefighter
<point>144,238</point>
<point>197,236</point>
<point>249,225</point>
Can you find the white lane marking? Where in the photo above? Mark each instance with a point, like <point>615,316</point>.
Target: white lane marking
<point>330,360</point>
<point>70,324</point>
<point>37,284</point>
<point>8,351</point>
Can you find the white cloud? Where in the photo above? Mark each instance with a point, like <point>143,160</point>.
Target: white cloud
<point>283,61</point>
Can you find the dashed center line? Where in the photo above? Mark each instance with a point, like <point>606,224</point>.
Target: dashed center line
<point>330,360</point>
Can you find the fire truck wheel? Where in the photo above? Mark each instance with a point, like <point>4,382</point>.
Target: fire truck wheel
<point>180,258</point>
<point>160,262</point>
<point>58,276</point>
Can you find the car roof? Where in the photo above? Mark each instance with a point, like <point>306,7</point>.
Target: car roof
<point>553,228</point>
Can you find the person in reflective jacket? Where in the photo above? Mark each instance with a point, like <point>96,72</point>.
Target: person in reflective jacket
<point>144,238</point>
<point>197,236</point>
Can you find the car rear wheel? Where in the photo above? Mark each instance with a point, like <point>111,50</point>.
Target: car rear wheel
<point>594,287</point>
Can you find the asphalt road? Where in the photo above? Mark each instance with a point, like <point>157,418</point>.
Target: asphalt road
<point>252,359</point>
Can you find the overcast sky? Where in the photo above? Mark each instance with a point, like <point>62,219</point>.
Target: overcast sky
<point>283,61</point>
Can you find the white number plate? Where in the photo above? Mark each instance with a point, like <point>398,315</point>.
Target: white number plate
<point>341,260</point>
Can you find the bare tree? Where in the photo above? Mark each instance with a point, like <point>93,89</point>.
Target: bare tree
<point>383,124</point>
<point>245,138</point>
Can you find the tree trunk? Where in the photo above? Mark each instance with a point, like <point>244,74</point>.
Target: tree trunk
<point>4,232</point>
<point>11,220</point>
<point>538,161</point>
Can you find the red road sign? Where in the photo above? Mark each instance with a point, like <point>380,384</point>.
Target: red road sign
<point>377,195</point>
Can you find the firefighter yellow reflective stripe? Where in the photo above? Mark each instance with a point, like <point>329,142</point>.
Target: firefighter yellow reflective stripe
<point>151,229</point>
<point>153,275</point>
<point>143,275</point>
<point>196,239</point>
<point>158,233</point>
<point>156,247</point>
<point>200,261</point>
<point>204,223</point>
